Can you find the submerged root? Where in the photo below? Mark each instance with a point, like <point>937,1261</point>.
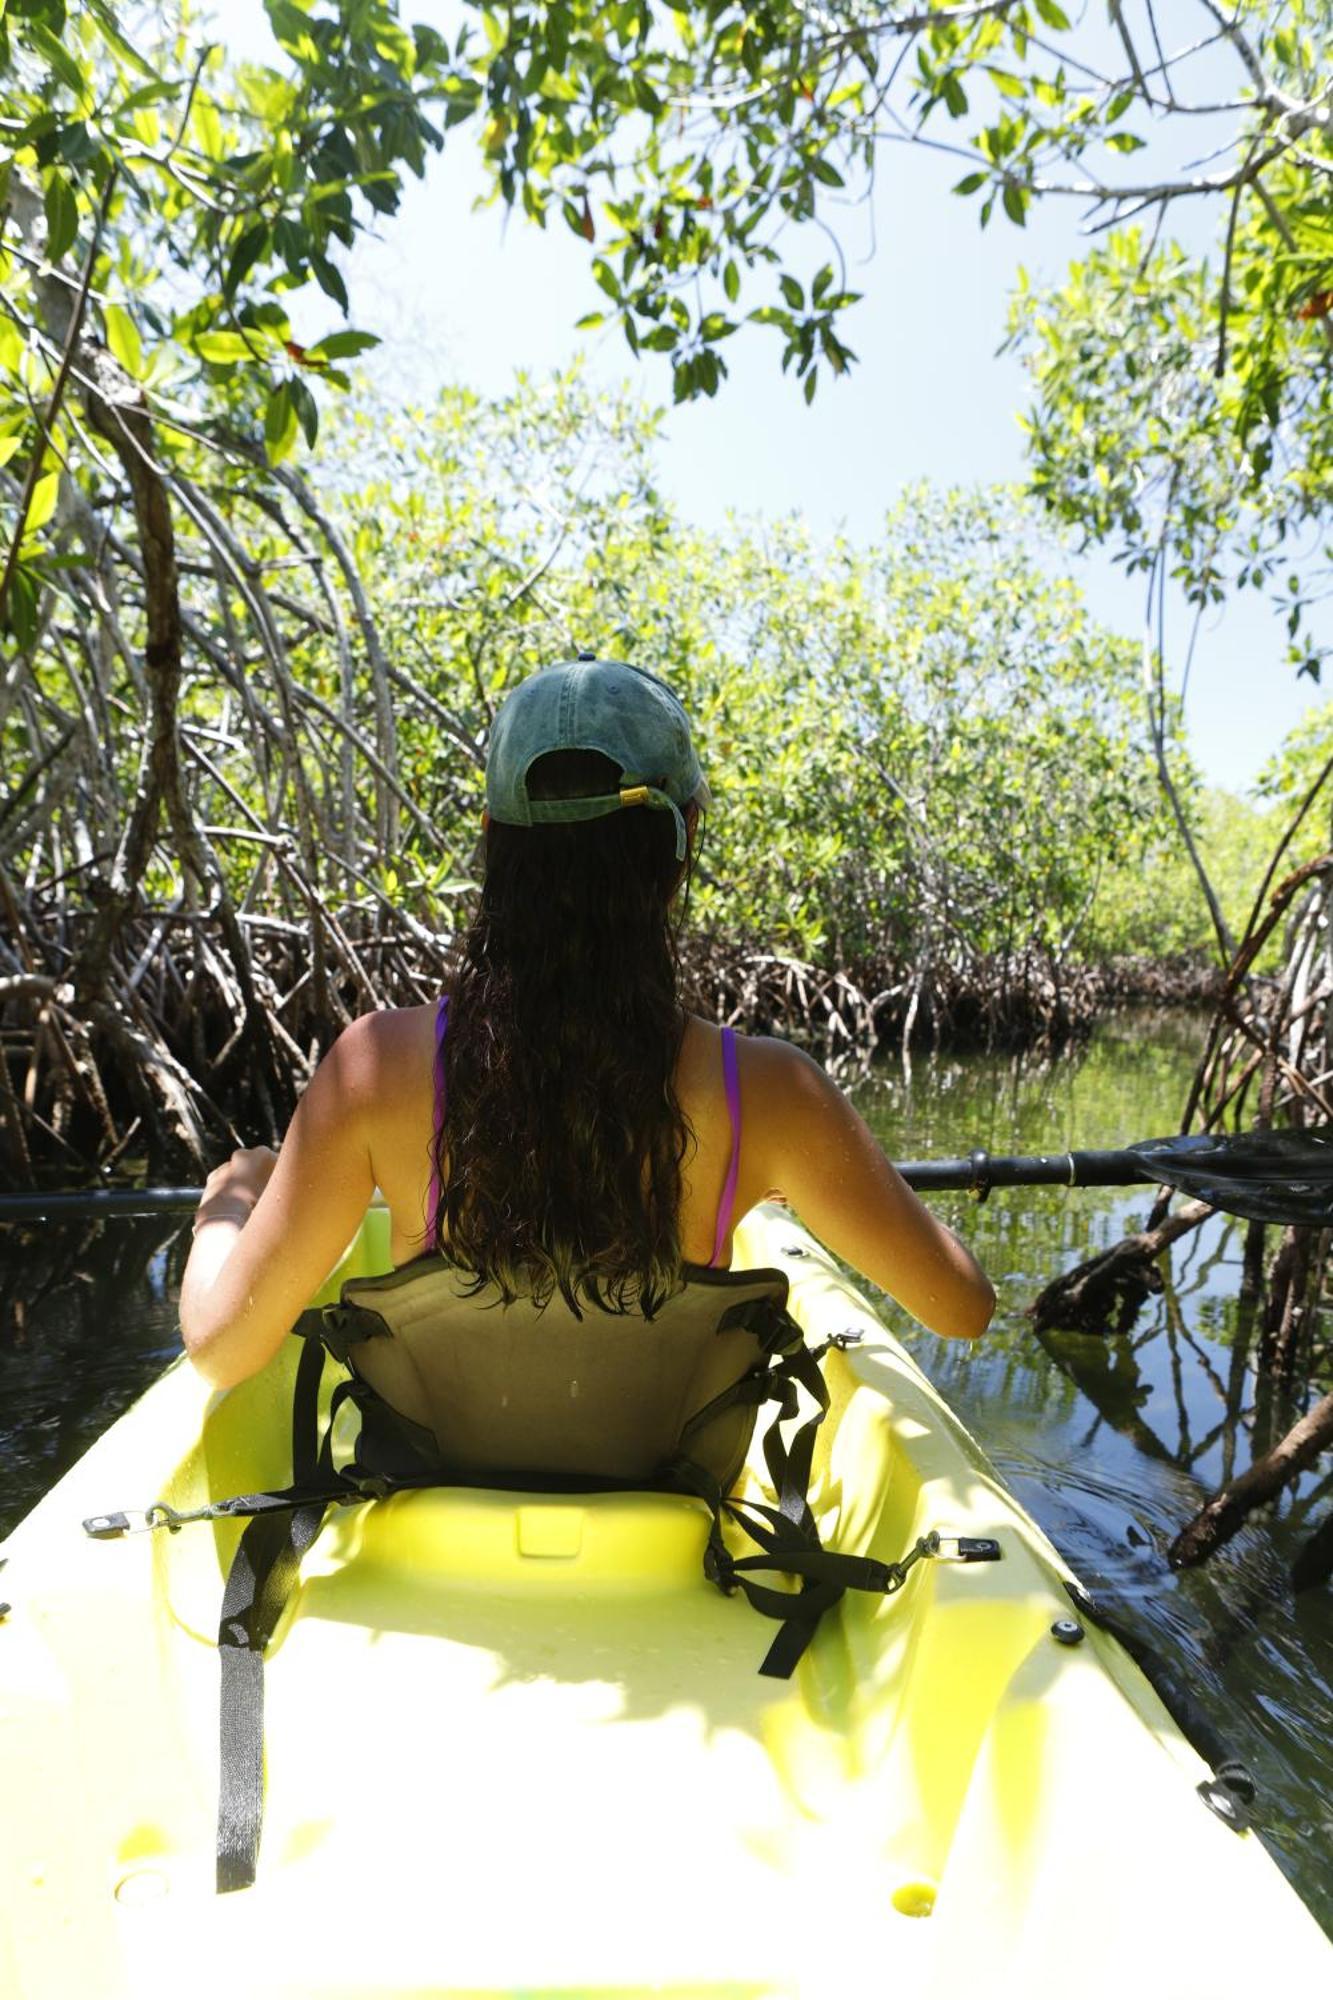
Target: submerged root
<point>1105,1294</point>
<point>1231,1506</point>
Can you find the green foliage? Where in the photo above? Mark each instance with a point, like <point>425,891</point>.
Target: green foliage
<point>1298,768</point>
<point>919,753</point>
<point>1138,443</point>
<point>1148,903</point>
<point>959,801</point>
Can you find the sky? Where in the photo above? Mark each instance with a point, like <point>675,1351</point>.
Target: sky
<point>472,295</point>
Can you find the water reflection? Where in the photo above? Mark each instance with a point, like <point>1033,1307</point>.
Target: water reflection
<point>87,1319</point>
<point>1111,1443</point>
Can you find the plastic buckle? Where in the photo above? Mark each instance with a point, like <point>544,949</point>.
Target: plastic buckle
<point>968,1549</point>
<point>720,1567</point>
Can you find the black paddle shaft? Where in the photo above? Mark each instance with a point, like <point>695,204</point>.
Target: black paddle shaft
<point>1282,1176</point>
<point>981,1171</point>
<point>977,1174</point>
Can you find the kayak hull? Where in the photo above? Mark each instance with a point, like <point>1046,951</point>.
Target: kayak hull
<point>516,1744</point>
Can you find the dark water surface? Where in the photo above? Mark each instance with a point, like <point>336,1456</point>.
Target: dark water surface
<point>1111,1443</point>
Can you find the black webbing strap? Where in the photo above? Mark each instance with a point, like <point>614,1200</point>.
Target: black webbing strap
<point>262,1576</point>
<point>305,1413</point>
<point>787,1534</point>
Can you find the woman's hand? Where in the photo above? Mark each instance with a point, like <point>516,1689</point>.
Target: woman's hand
<point>231,1190</point>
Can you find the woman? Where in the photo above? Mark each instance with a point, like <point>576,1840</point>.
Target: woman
<point>556,1120</point>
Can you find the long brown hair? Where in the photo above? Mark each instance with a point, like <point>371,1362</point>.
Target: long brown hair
<point>563,1139</point>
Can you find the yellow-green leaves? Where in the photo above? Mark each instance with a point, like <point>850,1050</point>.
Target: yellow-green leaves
<point>280,424</point>
<point>122,337</point>
<point>43,505</point>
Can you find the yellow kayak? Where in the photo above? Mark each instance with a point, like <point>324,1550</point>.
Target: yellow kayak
<point>516,1744</point>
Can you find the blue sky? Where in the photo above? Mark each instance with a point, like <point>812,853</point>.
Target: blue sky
<point>473,296</point>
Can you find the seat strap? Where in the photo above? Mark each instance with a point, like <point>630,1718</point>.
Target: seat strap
<point>261,1579</point>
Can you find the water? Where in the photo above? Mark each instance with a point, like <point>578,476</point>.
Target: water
<point>1111,1443</point>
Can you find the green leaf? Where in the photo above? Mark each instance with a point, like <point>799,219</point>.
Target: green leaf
<point>328,277</point>
<point>811,382</point>
<point>340,346</point>
<point>970,183</point>
<point>1052,15</point>
<point>11,345</point>
<point>1124,142</point>
<point>62,216</point>
<point>222,348</point>
<point>279,424</point>
<point>1015,203</point>
<point>208,126</point>
<point>249,249</point>
<point>306,408</point>
<point>824,171</point>
<point>792,292</point>
<point>21,606</point>
<point>63,64</point>
<point>606,278</point>
<point>44,497</point>
<point>731,280</point>
<point>122,337</point>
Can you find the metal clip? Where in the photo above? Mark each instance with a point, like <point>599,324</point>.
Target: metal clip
<point>968,1549</point>
<point>132,1521</point>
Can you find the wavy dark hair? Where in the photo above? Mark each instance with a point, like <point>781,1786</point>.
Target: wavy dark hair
<point>563,1140</point>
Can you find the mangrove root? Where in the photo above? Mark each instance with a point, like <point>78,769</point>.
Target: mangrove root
<point>1105,1294</point>
<point>1228,1509</point>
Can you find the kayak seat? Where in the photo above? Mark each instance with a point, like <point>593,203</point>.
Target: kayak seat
<point>455,1387</point>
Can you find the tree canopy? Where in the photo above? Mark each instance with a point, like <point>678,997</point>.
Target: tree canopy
<point>174,324</point>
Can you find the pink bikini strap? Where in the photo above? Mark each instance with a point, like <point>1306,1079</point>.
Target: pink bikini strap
<point>433,1211</point>
<point>732,1083</point>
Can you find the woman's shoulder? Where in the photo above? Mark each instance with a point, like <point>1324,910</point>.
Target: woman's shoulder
<point>385,1050</point>
<point>766,1055</point>
<point>777,1079</point>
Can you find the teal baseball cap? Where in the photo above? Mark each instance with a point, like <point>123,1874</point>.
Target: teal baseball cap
<point>623,712</point>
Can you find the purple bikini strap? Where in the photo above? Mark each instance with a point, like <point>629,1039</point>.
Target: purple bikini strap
<point>732,1082</point>
<point>433,1211</point>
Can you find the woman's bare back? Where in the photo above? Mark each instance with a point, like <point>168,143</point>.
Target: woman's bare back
<point>401,1129</point>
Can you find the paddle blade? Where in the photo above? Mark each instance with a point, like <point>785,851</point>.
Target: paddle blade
<point>1263,1176</point>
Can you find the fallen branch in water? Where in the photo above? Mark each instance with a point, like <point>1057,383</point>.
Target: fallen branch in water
<point>1229,1508</point>
<point>1104,1294</point>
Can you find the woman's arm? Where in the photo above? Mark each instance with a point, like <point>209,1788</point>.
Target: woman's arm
<point>820,1152</point>
<point>271,1227</point>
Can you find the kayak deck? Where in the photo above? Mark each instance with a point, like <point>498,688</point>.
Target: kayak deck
<point>516,1744</point>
